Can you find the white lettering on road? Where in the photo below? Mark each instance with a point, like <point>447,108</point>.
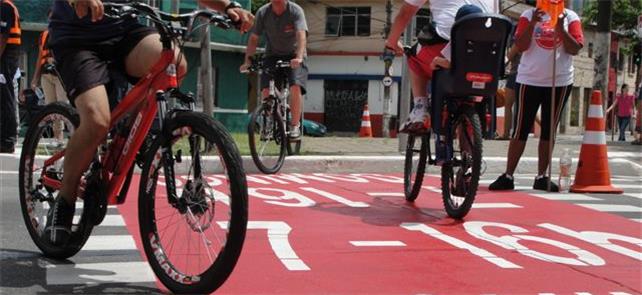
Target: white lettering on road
<point>511,242</point>
<point>601,239</point>
<point>336,198</point>
<point>281,197</point>
<point>490,257</point>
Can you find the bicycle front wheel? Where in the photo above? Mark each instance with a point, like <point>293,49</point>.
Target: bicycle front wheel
<point>267,139</point>
<point>460,177</point>
<point>193,206</point>
<point>415,165</point>
<point>46,140</point>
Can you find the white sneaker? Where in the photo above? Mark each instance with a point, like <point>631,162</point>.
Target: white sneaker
<point>418,120</point>
<point>295,132</point>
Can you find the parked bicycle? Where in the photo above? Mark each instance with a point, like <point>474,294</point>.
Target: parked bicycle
<point>478,44</point>
<point>192,198</point>
<point>269,127</point>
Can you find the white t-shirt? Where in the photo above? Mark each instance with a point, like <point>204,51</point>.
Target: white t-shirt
<point>444,11</point>
<point>536,65</point>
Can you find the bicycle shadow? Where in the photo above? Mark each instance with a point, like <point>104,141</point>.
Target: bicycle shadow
<point>26,272</point>
<point>391,211</point>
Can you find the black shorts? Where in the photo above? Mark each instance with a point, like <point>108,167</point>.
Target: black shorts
<point>84,67</point>
<point>529,99</point>
<point>297,76</point>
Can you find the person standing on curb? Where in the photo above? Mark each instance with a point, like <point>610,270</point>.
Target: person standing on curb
<point>10,40</point>
<point>625,103</point>
<point>637,139</point>
<point>513,57</point>
<point>47,75</point>
<point>537,38</point>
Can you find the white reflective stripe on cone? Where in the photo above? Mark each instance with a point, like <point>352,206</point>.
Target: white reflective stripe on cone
<point>595,111</point>
<point>365,124</point>
<point>594,137</point>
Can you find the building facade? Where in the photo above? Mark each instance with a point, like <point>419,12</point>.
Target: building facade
<point>231,88</point>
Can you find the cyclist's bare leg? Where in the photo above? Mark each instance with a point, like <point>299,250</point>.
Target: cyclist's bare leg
<point>146,53</point>
<point>515,151</point>
<point>295,104</point>
<point>419,85</point>
<point>93,108</point>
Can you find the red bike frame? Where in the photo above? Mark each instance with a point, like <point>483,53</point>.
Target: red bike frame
<point>162,76</point>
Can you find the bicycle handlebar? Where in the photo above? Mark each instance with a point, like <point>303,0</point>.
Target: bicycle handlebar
<point>258,65</point>
<point>164,20</point>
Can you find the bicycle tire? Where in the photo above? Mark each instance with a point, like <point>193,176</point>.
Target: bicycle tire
<point>216,273</point>
<point>255,134</point>
<point>27,184</point>
<point>459,183</point>
<point>412,188</point>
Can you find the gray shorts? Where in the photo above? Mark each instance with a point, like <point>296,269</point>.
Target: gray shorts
<point>297,76</point>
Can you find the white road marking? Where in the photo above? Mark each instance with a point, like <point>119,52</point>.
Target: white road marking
<point>612,208</point>
<point>565,197</point>
<point>378,243</point>
<point>113,220</point>
<point>637,219</point>
<point>111,242</point>
<point>634,195</point>
<point>494,205</point>
<point>99,273</point>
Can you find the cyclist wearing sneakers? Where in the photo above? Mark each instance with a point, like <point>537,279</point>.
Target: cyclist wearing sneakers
<point>433,40</point>
<point>84,43</point>
<point>283,24</point>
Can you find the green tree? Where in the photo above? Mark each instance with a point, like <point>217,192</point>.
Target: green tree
<point>256,4</point>
<point>624,19</point>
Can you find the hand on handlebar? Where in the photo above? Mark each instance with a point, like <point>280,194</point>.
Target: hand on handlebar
<point>242,17</point>
<point>245,68</point>
<point>84,7</point>
<point>396,47</point>
<point>295,63</point>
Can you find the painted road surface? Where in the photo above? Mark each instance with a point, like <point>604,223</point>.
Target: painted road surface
<point>355,234</point>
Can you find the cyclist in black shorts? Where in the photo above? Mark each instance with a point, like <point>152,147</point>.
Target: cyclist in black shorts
<point>84,43</point>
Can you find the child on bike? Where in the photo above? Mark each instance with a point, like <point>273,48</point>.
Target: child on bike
<point>420,62</point>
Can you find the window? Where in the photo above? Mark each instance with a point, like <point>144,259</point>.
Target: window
<point>423,19</point>
<point>347,21</point>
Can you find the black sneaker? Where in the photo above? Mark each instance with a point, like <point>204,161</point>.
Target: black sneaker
<point>541,183</point>
<point>503,183</point>
<point>59,219</point>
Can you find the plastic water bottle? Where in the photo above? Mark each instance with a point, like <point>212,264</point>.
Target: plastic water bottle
<point>565,171</point>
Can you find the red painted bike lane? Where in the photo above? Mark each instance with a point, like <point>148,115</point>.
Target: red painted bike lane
<point>350,234</point>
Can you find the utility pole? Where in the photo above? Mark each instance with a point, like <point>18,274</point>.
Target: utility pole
<point>602,48</point>
<point>387,80</point>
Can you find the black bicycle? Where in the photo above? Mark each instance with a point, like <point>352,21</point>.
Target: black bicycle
<point>478,44</point>
<point>269,127</point>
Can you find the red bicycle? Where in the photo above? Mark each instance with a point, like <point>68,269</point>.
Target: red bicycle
<point>192,199</point>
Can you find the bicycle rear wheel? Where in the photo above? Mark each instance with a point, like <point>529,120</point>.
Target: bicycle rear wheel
<point>36,197</point>
<point>267,139</point>
<point>415,165</point>
<point>460,177</point>
<point>193,206</point>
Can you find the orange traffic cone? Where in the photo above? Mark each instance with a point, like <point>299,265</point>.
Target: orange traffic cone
<point>366,127</point>
<point>593,175</point>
